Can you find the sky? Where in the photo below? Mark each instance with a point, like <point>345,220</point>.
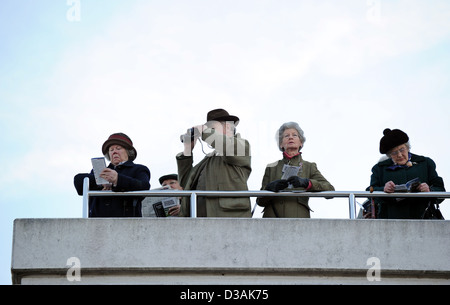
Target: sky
<point>74,72</point>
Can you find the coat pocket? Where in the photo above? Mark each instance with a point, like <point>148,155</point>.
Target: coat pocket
<point>234,203</point>
<point>304,203</point>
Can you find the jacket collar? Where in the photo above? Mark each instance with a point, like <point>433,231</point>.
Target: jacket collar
<point>414,159</point>
<point>285,155</point>
<point>125,164</point>
<point>292,160</point>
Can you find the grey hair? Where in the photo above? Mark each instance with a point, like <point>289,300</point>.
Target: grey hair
<point>408,145</point>
<point>289,125</point>
<point>130,153</point>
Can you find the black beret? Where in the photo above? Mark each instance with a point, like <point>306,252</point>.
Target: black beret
<point>391,139</point>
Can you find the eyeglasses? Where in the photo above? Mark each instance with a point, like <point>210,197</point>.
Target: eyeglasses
<point>396,152</point>
<point>287,136</point>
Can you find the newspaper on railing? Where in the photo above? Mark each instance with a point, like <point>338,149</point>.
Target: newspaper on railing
<point>162,207</point>
<point>158,206</point>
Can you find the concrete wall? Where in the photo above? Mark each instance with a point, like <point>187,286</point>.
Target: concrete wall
<point>230,251</point>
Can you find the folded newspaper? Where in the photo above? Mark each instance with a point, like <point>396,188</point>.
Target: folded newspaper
<point>408,187</point>
<point>162,207</point>
<point>98,165</point>
<point>158,206</point>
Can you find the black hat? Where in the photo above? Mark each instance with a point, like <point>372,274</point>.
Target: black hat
<point>221,115</point>
<point>167,177</point>
<point>120,139</point>
<point>391,139</point>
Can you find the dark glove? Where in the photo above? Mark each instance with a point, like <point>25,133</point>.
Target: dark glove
<point>298,182</point>
<point>277,185</point>
<point>415,187</point>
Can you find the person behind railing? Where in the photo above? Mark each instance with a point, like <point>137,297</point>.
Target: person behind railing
<point>398,167</point>
<point>123,175</point>
<point>171,181</point>
<point>292,173</point>
<point>227,168</point>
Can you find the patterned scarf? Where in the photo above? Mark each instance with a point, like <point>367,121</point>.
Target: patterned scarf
<point>397,166</point>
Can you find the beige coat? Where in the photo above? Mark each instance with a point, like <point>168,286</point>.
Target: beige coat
<point>291,207</point>
<point>227,169</point>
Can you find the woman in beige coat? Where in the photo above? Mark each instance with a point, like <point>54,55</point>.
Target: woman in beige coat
<point>293,172</point>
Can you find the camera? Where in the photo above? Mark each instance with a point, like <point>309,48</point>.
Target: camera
<point>192,133</point>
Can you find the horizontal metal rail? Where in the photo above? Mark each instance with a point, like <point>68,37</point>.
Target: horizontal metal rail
<point>193,194</point>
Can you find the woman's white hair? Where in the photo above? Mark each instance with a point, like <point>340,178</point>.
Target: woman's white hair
<point>289,125</point>
<point>408,145</point>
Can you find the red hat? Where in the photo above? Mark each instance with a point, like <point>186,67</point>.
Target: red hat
<point>122,140</point>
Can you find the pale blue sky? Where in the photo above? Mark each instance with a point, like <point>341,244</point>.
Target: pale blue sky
<point>344,70</point>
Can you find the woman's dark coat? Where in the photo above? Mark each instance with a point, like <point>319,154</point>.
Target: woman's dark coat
<point>423,168</point>
<point>131,177</point>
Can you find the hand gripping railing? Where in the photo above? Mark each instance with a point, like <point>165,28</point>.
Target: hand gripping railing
<point>195,193</point>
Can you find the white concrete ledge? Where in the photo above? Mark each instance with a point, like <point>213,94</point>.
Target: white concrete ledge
<point>224,251</point>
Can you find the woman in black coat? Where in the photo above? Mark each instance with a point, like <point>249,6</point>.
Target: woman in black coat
<point>400,167</point>
<point>123,175</point>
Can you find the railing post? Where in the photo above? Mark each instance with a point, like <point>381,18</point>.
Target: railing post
<point>351,205</point>
<point>85,197</point>
<point>194,205</point>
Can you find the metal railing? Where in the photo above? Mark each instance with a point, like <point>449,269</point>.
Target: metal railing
<point>196,193</point>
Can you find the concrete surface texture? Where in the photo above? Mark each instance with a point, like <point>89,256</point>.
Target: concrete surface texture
<point>228,250</point>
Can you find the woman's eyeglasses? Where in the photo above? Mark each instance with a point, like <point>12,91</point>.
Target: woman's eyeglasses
<point>396,152</point>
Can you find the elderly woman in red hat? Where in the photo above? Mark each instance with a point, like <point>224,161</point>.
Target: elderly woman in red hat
<point>401,170</point>
<point>122,174</point>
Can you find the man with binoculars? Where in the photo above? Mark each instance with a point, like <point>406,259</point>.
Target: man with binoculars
<point>227,168</point>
